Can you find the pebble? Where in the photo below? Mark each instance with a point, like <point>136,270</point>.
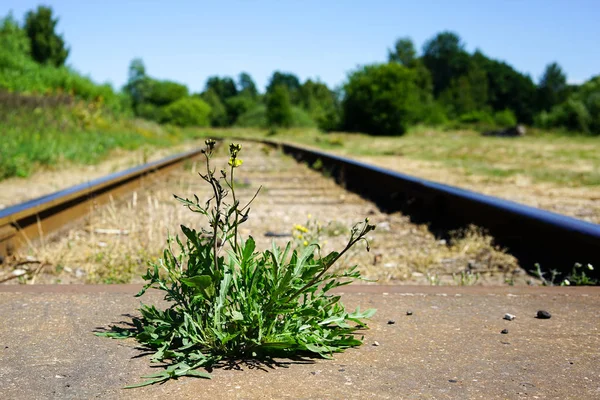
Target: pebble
<point>542,314</point>
<point>391,322</point>
<point>409,313</point>
<point>509,317</point>
<point>376,343</point>
<point>504,331</point>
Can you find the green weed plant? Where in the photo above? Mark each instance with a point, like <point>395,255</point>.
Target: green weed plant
<point>229,301</point>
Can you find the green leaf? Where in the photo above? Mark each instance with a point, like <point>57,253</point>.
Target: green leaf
<point>249,247</point>
<point>116,333</point>
<point>198,282</point>
<point>237,316</point>
<point>365,314</point>
<point>199,374</point>
<point>330,320</point>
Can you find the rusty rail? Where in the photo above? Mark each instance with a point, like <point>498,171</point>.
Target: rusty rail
<point>23,223</point>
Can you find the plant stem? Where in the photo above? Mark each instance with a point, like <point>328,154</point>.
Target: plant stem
<point>236,212</point>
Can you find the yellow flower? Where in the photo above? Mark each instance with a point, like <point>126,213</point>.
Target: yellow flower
<point>299,236</point>
<point>235,162</point>
<point>301,228</point>
<point>309,216</point>
<point>305,243</point>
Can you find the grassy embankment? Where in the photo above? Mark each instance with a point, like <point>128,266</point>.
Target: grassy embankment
<point>61,136</point>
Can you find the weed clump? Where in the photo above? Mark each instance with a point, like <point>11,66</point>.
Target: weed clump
<point>230,301</point>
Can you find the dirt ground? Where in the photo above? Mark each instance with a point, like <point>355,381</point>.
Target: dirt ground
<point>116,242</point>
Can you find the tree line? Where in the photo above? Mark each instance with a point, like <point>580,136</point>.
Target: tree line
<point>442,85</point>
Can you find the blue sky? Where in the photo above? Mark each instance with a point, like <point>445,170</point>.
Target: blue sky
<point>188,41</point>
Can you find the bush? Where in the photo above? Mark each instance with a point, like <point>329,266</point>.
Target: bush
<point>580,112</point>
<point>505,118</point>
<point>237,106</point>
<point>435,114</point>
<point>571,115</point>
<point>476,117</point>
<point>382,100</point>
<point>162,93</point>
<point>189,111</point>
<point>150,112</point>
<point>218,113</point>
<point>257,118</point>
<point>301,119</point>
<point>279,108</point>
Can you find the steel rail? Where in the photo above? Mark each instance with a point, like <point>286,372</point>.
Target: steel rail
<point>21,224</point>
<point>532,235</point>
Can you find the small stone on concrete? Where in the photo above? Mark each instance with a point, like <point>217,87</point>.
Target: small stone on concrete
<point>391,322</point>
<point>409,312</point>
<point>504,331</point>
<point>509,317</point>
<point>542,314</point>
<point>376,343</point>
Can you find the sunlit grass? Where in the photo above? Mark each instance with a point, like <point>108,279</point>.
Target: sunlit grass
<point>59,137</point>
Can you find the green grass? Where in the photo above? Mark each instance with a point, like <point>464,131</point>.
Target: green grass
<point>565,160</point>
<point>34,138</point>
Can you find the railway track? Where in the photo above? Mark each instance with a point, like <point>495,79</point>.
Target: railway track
<point>531,235</point>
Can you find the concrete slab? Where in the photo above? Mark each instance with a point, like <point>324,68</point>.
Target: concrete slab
<point>450,347</point>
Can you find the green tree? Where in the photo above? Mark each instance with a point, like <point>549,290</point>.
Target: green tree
<point>290,81</point>
<point>13,39</point>
<point>46,45</point>
<point>508,88</point>
<point>188,111</point>
<point>552,89</point>
<point>137,84</point>
<point>162,93</point>
<point>467,93</point>
<point>580,112</point>
<point>279,107</point>
<point>382,99</point>
<point>446,59</point>
<point>246,85</point>
<point>321,104</point>
<point>404,52</point>
<point>223,87</point>
<point>238,105</point>
<point>218,113</point>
